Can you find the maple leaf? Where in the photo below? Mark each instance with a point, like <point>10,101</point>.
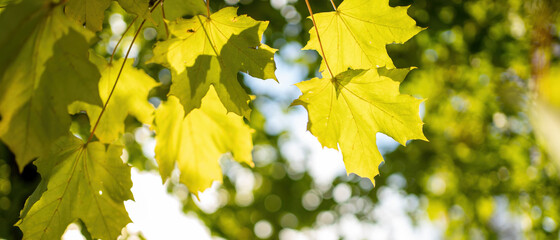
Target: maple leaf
<point>137,7</point>
<point>29,31</point>
<point>180,8</point>
<point>174,9</point>
<point>215,49</point>
<point>79,182</point>
<point>130,97</point>
<point>197,141</point>
<point>354,36</point>
<point>347,111</point>
<point>43,61</point>
<point>87,12</point>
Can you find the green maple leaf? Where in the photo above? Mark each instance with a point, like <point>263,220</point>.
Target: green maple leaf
<point>130,97</point>
<point>197,141</point>
<point>137,7</point>
<point>347,111</point>
<point>79,182</point>
<point>88,12</point>
<point>46,69</point>
<point>354,36</point>
<point>181,8</point>
<point>214,50</point>
<point>174,9</point>
<point>29,30</point>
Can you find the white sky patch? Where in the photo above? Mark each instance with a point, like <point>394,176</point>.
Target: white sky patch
<point>144,136</point>
<point>118,25</point>
<point>159,215</point>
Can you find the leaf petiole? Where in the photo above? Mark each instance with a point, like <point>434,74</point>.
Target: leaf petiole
<point>120,39</point>
<point>334,6</point>
<point>164,23</point>
<point>207,8</point>
<point>115,84</point>
<point>118,76</point>
<point>318,37</point>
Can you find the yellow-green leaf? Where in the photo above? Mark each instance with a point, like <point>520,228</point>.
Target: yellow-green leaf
<point>197,141</point>
<point>29,30</point>
<point>174,9</point>
<point>138,7</point>
<point>354,36</point>
<point>21,23</point>
<point>347,111</point>
<point>79,183</point>
<point>130,97</point>
<point>34,97</point>
<point>182,8</point>
<point>88,12</point>
<point>215,49</point>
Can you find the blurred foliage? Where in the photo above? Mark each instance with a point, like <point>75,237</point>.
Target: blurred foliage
<point>15,187</point>
<point>482,175</point>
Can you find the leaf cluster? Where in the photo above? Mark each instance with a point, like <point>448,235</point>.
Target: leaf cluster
<point>49,72</point>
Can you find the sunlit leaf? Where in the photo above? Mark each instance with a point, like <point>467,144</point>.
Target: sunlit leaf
<point>174,9</point>
<point>214,50</point>
<point>137,7</point>
<point>354,36</point>
<point>197,141</point>
<point>35,92</point>
<point>87,183</point>
<point>347,111</point>
<point>130,97</point>
<point>183,8</point>
<point>87,12</point>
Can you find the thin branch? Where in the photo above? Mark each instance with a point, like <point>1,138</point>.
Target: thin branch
<point>115,84</point>
<point>156,5</point>
<point>119,75</point>
<point>164,23</point>
<point>119,42</point>
<point>318,37</point>
<point>132,23</point>
<point>334,6</point>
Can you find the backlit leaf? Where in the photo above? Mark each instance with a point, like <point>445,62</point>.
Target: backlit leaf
<point>35,92</point>
<point>214,50</point>
<point>354,36</point>
<point>87,12</point>
<point>137,7</point>
<point>130,97</point>
<point>174,9</point>
<point>346,112</point>
<point>79,183</point>
<point>197,141</point>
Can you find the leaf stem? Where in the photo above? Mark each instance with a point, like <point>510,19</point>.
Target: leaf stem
<point>318,37</point>
<point>120,39</point>
<point>334,6</point>
<point>115,84</point>
<point>120,71</point>
<point>164,23</point>
<point>155,6</point>
<point>208,8</point>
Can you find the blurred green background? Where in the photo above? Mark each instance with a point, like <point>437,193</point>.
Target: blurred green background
<point>489,70</point>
